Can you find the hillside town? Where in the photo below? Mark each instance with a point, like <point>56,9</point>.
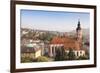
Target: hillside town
<point>45,46</point>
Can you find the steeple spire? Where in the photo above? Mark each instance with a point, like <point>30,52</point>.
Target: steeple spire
<point>78,22</point>
<point>78,25</point>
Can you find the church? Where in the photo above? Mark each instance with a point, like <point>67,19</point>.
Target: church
<point>68,43</point>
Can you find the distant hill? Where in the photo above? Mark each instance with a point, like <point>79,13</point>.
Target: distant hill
<point>71,33</point>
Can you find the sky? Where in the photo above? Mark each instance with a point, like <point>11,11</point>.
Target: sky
<point>54,20</point>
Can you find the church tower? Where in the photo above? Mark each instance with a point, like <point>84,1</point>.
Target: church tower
<point>79,32</point>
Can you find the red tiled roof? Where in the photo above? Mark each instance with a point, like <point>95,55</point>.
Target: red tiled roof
<point>57,40</point>
<point>67,42</point>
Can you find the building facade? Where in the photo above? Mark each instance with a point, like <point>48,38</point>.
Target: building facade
<point>68,43</point>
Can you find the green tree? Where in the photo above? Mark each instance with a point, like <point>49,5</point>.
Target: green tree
<point>46,36</point>
<point>71,55</point>
<point>60,54</point>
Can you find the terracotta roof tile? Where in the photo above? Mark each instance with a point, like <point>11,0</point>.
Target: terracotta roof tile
<point>67,41</point>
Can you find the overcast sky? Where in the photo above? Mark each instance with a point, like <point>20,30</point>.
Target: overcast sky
<point>54,21</point>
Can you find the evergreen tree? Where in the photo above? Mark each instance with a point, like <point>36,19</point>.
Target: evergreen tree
<point>60,54</point>
<point>71,55</point>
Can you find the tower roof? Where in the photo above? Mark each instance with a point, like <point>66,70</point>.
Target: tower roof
<point>78,25</point>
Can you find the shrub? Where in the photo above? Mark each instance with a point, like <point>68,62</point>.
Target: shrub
<point>82,58</point>
<point>26,59</point>
<point>42,59</point>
